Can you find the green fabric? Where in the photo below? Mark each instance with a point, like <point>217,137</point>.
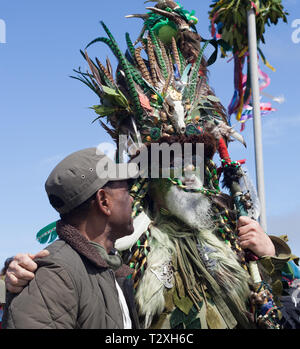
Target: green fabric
<point>184,304</point>
<point>114,261</point>
<point>274,265</point>
<point>180,320</point>
<point>282,250</point>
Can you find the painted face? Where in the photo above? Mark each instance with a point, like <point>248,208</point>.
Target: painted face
<point>192,174</point>
<point>193,208</point>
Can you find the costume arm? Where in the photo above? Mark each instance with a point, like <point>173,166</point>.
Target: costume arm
<point>282,255</point>
<point>273,266</point>
<point>49,302</point>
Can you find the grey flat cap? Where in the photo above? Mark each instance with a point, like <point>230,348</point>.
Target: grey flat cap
<point>80,175</point>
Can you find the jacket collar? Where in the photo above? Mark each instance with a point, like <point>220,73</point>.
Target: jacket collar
<point>79,243</point>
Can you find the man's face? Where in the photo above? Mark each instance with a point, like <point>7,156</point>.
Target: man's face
<point>121,209</point>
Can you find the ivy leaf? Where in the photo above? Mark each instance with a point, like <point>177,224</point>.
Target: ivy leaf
<point>102,110</point>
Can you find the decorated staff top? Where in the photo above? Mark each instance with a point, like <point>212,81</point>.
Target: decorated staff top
<point>230,18</point>
<point>229,27</point>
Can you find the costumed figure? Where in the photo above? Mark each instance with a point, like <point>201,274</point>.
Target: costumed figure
<point>189,269</point>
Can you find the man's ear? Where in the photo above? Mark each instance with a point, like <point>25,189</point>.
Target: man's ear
<point>104,201</point>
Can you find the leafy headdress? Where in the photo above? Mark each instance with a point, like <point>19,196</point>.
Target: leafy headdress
<point>160,87</point>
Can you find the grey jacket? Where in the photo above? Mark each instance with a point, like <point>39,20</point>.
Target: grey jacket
<point>73,288</point>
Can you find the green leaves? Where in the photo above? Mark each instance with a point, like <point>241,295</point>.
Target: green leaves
<point>232,14</point>
<point>103,111</point>
<point>116,97</point>
<point>114,102</point>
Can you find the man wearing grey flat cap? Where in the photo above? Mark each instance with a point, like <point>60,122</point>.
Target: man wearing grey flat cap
<point>82,283</point>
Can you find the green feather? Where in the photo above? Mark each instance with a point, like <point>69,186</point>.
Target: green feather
<point>161,61</point>
<point>182,61</point>
<point>127,70</point>
<point>111,42</point>
<point>85,82</point>
<point>103,77</point>
<point>130,46</point>
<point>190,91</point>
<point>136,75</point>
<point>108,32</point>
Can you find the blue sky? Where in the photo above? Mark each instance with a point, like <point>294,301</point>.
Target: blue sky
<point>45,115</point>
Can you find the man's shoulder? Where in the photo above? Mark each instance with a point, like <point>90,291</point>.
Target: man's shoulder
<point>61,255</point>
<point>58,247</point>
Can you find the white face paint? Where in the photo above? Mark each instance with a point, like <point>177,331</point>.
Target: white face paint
<point>194,209</point>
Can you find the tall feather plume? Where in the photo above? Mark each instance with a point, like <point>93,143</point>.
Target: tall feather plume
<point>94,70</point>
<point>143,68</point>
<point>164,54</point>
<point>169,79</point>
<point>158,53</point>
<point>152,60</point>
<point>130,45</point>
<point>176,54</point>
<point>105,71</point>
<point>109,68</point>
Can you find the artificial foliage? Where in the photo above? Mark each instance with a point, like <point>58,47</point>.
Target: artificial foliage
<point>229,26</point>
<point>229,20</point>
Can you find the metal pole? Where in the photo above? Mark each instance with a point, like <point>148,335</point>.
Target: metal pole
<point>256,115</point>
